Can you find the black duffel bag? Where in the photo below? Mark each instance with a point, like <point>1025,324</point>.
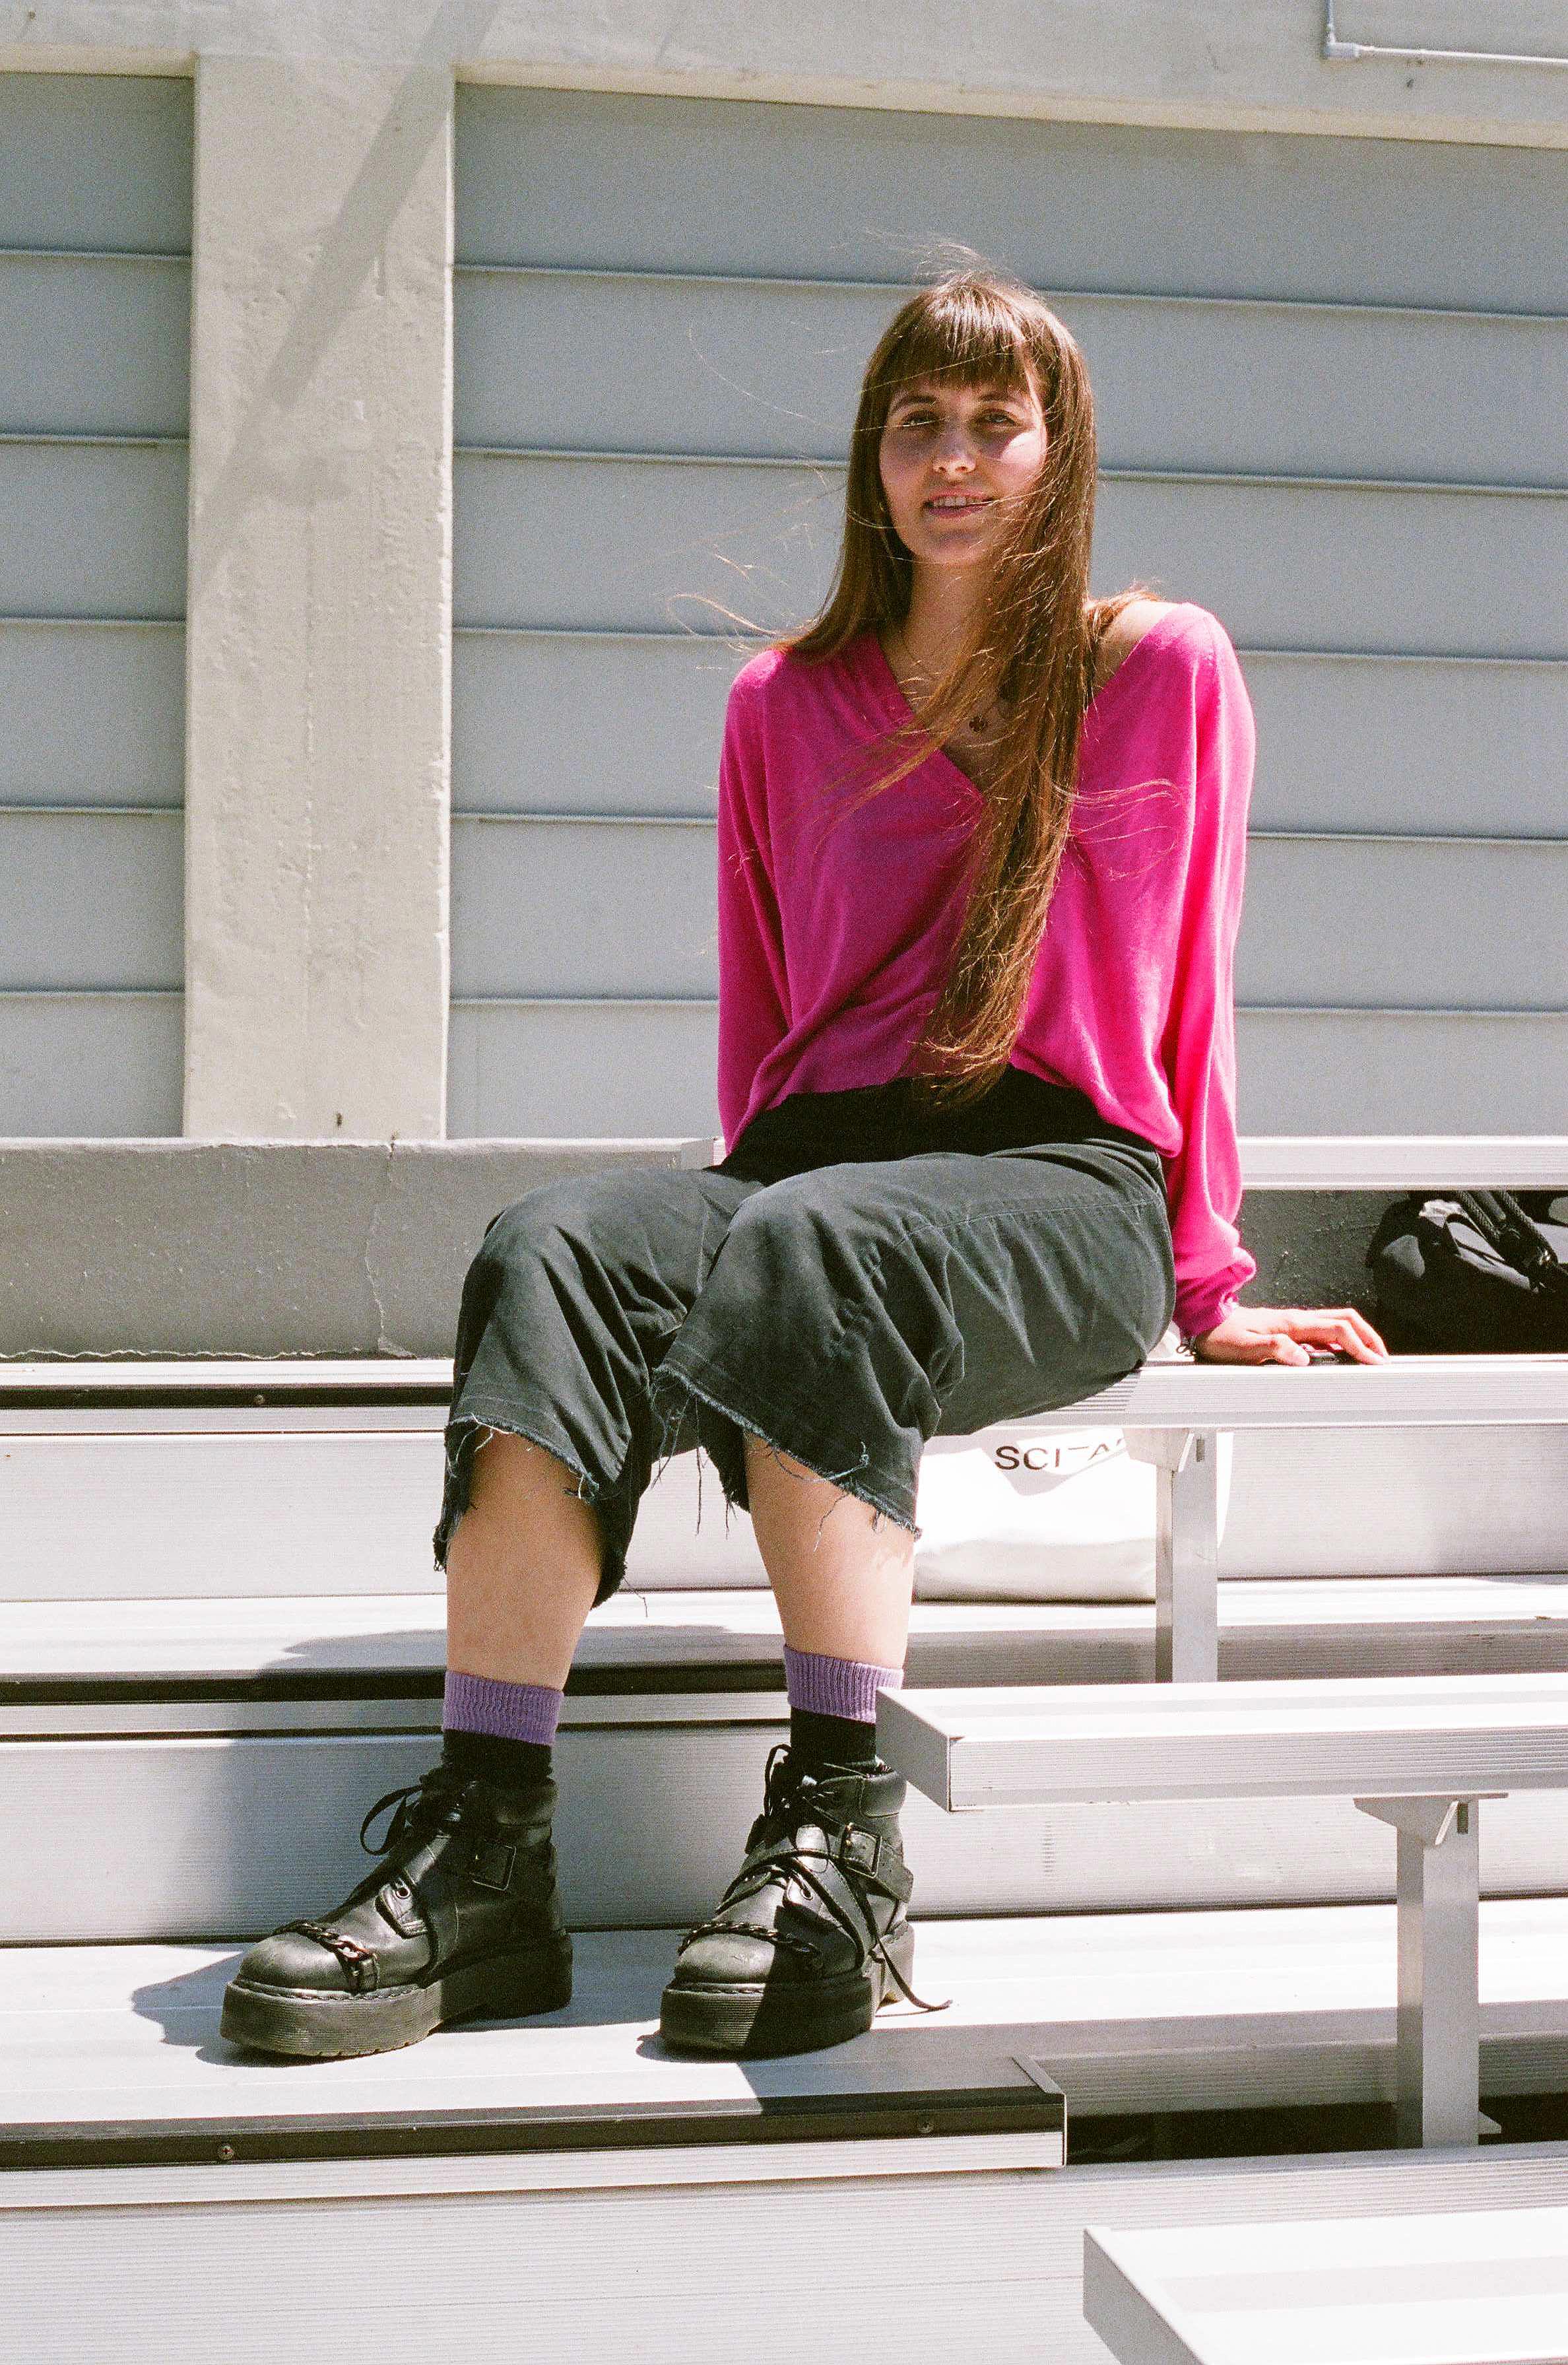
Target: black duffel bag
<point>1473,1273</point>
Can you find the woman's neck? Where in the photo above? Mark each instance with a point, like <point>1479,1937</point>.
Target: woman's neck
<point>941,606</point>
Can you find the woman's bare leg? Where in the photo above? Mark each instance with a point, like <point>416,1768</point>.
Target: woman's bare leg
<point>841,1572</point>
<point>522,1567</point>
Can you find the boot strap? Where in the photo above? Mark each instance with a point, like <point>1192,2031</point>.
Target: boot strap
<point>835,1879</point>
<point>875,1860</point>
<point>358,1961</point>
<point>865,1856</point>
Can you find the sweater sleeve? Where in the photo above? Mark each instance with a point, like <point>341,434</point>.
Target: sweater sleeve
<point>753,982</point>
<point>1203,1177</point>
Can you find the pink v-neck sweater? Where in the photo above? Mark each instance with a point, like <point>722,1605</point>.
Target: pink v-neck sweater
<point>835,928</point>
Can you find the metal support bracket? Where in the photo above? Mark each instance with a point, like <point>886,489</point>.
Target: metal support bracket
<point>1186,1550</point>
<point>1038,2075</point>
<point>1437,2051</point>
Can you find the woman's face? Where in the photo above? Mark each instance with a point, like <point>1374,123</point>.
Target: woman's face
<point>950,456</point>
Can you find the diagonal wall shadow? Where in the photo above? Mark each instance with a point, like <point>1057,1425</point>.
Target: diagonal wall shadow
<point>416,116</point>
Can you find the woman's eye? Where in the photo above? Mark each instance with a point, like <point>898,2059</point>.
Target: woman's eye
<point>923,421</point>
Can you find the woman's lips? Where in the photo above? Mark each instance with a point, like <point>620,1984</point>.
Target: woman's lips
<point>946,506</point>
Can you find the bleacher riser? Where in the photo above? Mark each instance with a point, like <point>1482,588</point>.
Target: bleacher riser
<point>204,1836</point>
<point>294,1510</point>
<point>499,2243</point>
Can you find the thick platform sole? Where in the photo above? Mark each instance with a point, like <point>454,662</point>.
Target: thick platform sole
<point>311,2025</point>
<point>757,2022</point>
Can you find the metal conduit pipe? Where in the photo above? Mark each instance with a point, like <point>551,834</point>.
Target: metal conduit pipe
<point>1333,47</point>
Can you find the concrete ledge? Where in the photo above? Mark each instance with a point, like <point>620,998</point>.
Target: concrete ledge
<point>1208,66</point>
<point>261,1247</point>
<point>172,1248</point>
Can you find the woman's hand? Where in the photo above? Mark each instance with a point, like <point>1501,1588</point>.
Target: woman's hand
<point>1273,1334</point>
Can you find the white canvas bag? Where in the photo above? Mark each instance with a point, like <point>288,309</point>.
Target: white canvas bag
<point>1027,1513</point>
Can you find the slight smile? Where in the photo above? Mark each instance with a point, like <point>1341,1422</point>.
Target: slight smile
<point>958,502</point>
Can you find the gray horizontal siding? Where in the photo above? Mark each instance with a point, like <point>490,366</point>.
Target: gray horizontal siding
<point>78,1064</point>
<point>709,366</point>
<point>580,907</point>
<point>606,722</point>
<point>588,1072</point>
<point>93,530</point>
<point>1328,379</point>
<point>93,713</point>
<point>1401,1072</point>
<point>543,907</point>
<point>94,336</point>
<point>631,184</point>
<point>95,160</point>
<point>547,722</point>
<point>624,1067</point>
<point>1399,924</point>
<point>91,900</point>
<point>620,544</point>
<point>94,344</point>
<point>1418,744</point>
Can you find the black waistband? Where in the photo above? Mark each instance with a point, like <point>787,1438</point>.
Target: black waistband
<point>892,1120</point>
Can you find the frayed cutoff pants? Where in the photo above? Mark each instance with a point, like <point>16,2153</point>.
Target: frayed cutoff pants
<point>859,1273</point>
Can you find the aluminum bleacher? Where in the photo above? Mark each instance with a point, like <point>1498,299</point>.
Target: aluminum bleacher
<point>1482,2285</point>
<point>220,1636</point>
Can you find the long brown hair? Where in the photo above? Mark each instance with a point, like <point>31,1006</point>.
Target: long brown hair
<point>1032,642</point>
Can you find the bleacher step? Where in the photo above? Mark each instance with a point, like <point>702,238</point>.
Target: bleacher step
<point>203,1767</point>
<point>114,2052</point>
<point>1490,2287</point>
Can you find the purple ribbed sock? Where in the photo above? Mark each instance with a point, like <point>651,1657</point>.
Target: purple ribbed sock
<point>503,1732</point>
<point>840,1688</point>
<point>833,1708</point>
<point>508,1712</point>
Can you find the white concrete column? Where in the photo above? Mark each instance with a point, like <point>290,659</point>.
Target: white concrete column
<point>319,668</point>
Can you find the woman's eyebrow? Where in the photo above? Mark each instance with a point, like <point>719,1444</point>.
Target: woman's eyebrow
<point>980,393</point>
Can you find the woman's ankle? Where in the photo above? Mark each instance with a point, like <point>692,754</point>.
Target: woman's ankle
<point>832,1707</point>
<point>503,1732</point>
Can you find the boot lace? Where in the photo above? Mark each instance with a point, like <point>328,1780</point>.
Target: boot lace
<point>790,1794</point>
<point>432,1803</point>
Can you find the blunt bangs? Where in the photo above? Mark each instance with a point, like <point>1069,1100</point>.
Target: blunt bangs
<point>969,335</point>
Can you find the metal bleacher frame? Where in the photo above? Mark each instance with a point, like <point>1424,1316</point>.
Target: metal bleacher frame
<point>1175,1416</point>
<point>1176,1413</point>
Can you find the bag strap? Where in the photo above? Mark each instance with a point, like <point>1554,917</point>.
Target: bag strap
<point>1516,1236</point>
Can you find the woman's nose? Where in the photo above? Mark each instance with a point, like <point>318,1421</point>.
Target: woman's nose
<point>953,447</point>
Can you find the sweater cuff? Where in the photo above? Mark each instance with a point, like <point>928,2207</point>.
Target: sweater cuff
<point>1203,1310</point>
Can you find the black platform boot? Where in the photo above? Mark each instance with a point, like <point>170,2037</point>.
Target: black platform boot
<point>462,1920</point>
<point>811,1937</point>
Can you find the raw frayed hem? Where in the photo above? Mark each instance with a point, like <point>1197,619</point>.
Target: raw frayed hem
<point>464,1438</point>
<point>667,1382</point>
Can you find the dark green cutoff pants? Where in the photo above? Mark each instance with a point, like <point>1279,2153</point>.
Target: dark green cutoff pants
<point>858,1274</point>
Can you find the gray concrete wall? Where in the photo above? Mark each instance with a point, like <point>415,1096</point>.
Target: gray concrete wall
<point>1212,64</point>
<point>187,1248</point>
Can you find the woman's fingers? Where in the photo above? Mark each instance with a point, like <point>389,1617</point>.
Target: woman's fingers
<point>1367,1335</point>
<point>1273,1334</point>
<point>1341,1328</point>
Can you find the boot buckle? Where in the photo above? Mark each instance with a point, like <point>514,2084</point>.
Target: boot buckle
<point>861,1850</point>
<point>492,1865</point>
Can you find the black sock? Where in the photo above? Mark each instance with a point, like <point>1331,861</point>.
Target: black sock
<point>515,1764</point>
<point>817,1740</point>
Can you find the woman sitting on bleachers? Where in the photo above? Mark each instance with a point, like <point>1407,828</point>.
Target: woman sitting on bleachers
<point>982,840</point>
